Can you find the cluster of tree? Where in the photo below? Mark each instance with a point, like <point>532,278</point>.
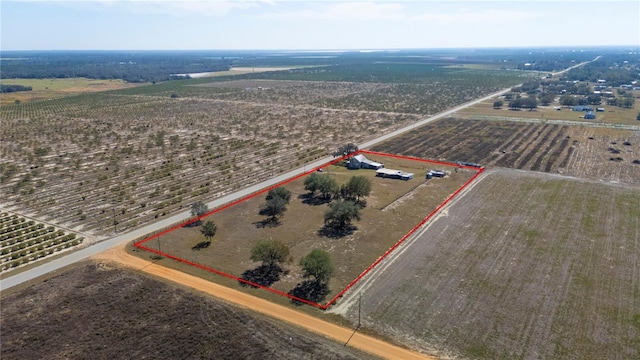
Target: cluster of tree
<point>596,99</point>
<point>137,66</point>
<point>317,268</point>
<point>529,102</point>
<point>347,200</point>
<point>14,88</point>
<point>345,150</point>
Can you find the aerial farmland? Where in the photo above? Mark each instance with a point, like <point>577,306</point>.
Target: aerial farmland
<point>524,245</point>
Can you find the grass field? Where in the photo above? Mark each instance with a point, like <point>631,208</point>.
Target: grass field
<point>403,203</point>
<point>54,88</point>
<point>611,115</point>
<point>100,311</point>
<point>520,276</point>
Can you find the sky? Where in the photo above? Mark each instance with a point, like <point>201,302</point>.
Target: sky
<point>309,25</point>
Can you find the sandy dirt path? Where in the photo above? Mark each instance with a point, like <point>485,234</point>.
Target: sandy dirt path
<point>333,331</point>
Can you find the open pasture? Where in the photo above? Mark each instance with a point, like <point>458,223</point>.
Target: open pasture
<point>402,203</point>
<point>610,115</point>
<point>524,265</point>
<point>44,89</point>
<point>579,151</point>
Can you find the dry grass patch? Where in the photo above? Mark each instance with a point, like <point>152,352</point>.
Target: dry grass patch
<point>239,227</point>
<point>611,115</point>
<point>53,88</point>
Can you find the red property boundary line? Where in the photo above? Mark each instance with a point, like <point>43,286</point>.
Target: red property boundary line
<point>140,244</point>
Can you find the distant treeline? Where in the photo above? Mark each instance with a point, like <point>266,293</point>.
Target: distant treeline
<point>14,88</point>
<point>128,66</point>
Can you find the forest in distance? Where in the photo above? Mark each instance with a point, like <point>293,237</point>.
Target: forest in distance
<point>154,66</point>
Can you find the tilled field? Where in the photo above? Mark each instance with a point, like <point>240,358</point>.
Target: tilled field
<point>596,153</point>
<point>519,276</point>
<point>99,311</point>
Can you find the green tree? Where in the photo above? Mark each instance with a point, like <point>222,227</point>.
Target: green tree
<point>274,207</point>
<point>529,103</point>
<point>311,183</point>
<point>280,192</point>
<point>546,99</point>
<point>568,100</point>
<point>270,252</point>
<point>627,102</point>
<point>325,184</point>
<point>357,187</point>
<point>340,214</point>
<point>209,230</point>
<point>498,104</point>
<point>198,209</point>
<point>318,265</point>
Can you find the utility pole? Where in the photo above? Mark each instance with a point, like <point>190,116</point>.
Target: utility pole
<point>359,309</point>
<point>115,230</point>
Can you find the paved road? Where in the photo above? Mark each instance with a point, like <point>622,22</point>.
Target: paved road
<point>97,248</point>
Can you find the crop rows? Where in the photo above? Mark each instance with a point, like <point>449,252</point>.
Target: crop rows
<point>23,241</point>
<point>132,163</point>
<point>530,146</point>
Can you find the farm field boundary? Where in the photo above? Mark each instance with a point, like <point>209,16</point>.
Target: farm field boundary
<point>140,244</point>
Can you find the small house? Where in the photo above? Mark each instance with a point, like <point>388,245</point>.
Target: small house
<point>600,109</point>
<point>394,174</point>
<point>582,108</point>
<point>436,173</point>
<point>361,162</point>
<point>590,115</point>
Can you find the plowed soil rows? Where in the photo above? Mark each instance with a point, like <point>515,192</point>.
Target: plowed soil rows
<point>570,150</point>
<point>519,276</point>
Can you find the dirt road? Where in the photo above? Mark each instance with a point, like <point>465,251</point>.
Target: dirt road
<point>333,331</point>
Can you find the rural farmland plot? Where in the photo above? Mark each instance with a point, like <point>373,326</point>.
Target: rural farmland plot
<point>595,153</point>
<point>494,279</point>
<point>107,162</point>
